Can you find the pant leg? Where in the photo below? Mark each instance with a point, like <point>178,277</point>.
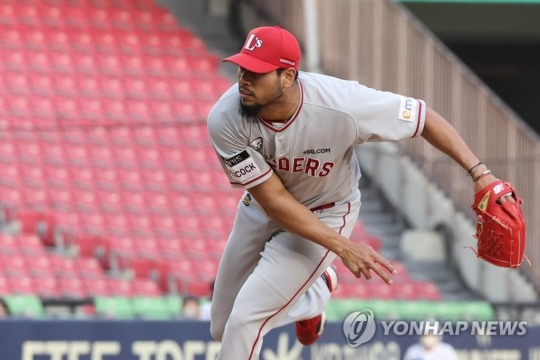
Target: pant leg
<point>314,300</point>
<point>289,266</point>
<point>251,231</point>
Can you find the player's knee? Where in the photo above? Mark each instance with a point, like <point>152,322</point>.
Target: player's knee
<point>216,330</point>
<point>237,322</point>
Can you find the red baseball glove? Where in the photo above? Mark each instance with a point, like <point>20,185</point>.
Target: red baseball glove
<point>500,228</point>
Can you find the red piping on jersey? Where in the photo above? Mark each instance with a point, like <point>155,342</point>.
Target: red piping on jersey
<point>418,120</point>
<point>250,181</point>
<point>294,116</point>
<point>301,287</point>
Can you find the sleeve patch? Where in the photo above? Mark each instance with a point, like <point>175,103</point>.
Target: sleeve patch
<point>242,167</point>
<point>236,159</point>
<point>408,108</point>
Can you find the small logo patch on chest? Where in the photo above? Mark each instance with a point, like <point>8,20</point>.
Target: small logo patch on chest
<point>247,200</point>
<point>257,144</point>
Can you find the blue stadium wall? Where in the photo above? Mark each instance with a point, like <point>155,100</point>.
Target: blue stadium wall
<point>175,340</point>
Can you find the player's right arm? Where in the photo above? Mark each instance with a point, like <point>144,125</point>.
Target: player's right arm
<point>284,209</point>
<point>247,168</point>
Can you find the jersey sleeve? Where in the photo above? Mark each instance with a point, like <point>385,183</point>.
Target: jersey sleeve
<point>243,165</point>
<point>385,116</point>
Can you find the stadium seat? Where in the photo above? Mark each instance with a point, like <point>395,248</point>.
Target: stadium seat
<point>46,287</point>
<point>5,286</point>
<point>22,284</point>
<point>154,308</point>
<point>30,245</point>
<point>39,265</point>
<point>426,290</point>
<point>71,287</point>
<point>89,268</point>
<point>114,307</point>
<point>24,305</point>
<point>13,265</point>
<point>146,287</point>
<point>95,287</point>
<point>119,287</point>
<point>199,288</point>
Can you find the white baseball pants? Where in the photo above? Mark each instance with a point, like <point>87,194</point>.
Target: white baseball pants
<point>268,277</point>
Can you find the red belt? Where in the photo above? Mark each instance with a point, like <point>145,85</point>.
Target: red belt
<point>322,207</point>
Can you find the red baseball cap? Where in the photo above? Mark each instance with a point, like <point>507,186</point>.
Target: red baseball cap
<point>268,48</point>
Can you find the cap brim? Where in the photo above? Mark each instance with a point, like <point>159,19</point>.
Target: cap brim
<point>251,63</point>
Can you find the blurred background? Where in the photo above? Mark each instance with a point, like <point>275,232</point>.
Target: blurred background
<point>114,211</point>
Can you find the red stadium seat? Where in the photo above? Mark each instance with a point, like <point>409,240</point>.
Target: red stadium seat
<point>60,40</point>
<point>18,84</point>
<point>146,287</point>
<point>30,245</point>
<point>54,155</point>
<point>199,288</point>
<point>66,86</point>
<point>52,16</point>
<point>89,268</point>
<point>173,159</point>
<point>14,265</point>
<point>11,38</point>
<point>46,287</point>
<point>144,136</point>
<point>85,64</point>
<point>39,223</point>
<point>170,249</point>
<point>155,180</point>
<point>90,246</point>
<point>119,287</point>
<point>8,153</point>
<point>134,66</point>
<point>206,269</point>
<point>167,137</point>
<point>71,287</point>
<point>107,181</point>
<point>427,291</point>
<point>22,285</point>
<point>63,267</point>
<point>76,17</point>
<point>96,287</point>
<point>89,87</point>
<point>5,285</point>
<point>9,245</point>
<point>134,203</point>
<point>122,138</point>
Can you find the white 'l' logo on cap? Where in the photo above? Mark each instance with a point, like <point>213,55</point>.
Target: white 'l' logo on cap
<point>253,42</point>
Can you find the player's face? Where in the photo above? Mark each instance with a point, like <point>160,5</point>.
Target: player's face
<point>258,90</point>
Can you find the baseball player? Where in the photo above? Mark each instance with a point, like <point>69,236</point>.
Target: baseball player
<point>288,138</point>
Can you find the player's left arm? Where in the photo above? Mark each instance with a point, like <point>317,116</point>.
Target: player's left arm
<point>443,136</point>
<point>496,205</point>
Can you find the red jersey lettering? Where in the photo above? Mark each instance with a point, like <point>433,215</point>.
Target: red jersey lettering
<point>297,164</point>
<point>311,166</point>
<point>327,166</point>
<point>283,164</point>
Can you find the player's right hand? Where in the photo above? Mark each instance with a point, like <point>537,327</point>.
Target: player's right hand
<point>361,258</point>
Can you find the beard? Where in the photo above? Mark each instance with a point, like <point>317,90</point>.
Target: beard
<point>249,111</point>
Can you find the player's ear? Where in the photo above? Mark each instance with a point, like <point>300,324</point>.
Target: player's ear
<point>288,77</point>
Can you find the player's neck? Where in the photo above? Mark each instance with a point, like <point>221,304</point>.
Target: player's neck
<point>282,111</point>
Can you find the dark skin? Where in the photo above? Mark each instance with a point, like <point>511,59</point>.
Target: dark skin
<point>275,95</point>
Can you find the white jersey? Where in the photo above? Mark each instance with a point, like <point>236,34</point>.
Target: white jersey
<point>313,153</point>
